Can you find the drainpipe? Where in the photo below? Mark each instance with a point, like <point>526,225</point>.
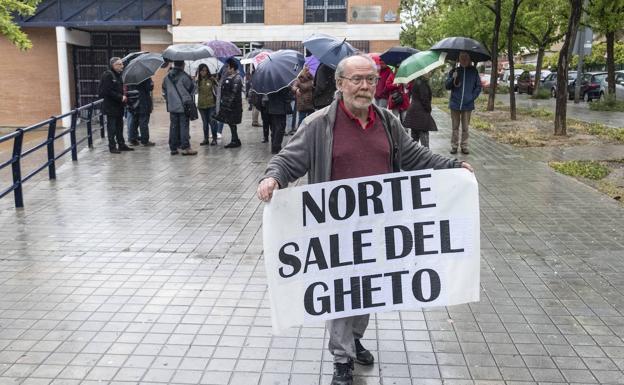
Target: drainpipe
<point>63,73</point>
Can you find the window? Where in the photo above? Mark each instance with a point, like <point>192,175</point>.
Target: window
<point>321,11</point>
<point>243,11</point>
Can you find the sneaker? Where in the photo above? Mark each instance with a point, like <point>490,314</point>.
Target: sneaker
<point>189,151</point>
<point>125,148</point>
<point>148,144</point>
<point>134,142</point>
<point>204,142</point>
<point>219,135</point>
<point>174,152</point>
<point>362,355</point>
<point>114,150</point>
<point>453,151</point>
<point>465,151</point>
<point>343,374</point>
<point>233,144</point>
<point>264,140</point>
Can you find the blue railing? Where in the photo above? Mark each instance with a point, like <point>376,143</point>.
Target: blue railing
<point>17,136</point>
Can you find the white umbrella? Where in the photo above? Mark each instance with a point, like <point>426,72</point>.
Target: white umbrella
<point>214,65</point>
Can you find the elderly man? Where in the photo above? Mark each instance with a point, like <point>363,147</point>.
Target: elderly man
<point>111,89</point>
<point>349,138</point>
<point>465,86</point>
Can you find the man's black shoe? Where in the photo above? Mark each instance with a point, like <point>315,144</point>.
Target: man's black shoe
<point>114,150</point>
<point>233,144</point>
<point>465,151</point>
<point>125,148</point>
<point>134,142</point>
<point>343,374</point>
<point>362,355</point>
<point>148,144</point>
<point>264,140</point>
<point>453,151</point>
<point>174,152</point>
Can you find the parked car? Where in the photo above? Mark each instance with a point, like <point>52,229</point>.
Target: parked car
<point>590,85</point>
<point>619,86</point>
<point>526,81</point>
<point>485,81</point>
<point>550,84</point>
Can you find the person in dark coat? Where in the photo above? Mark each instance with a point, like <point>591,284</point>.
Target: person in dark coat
<point>142,110</point>
<point>418,116</point>
<point>277,107</point>
<point>324,86</point>
<point>303,88</point>
<point>111,89</point>
<point>231,101</point>
<point>259,103</point>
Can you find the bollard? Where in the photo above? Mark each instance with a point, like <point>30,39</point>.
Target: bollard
<point>72,135</point>
<point>89,127</point>
<point>50,145</point>
<point>101,125</point>
<point>17,170</point>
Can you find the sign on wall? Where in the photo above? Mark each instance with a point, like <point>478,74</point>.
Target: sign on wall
<point>387,242</point>
<point>366,13</point>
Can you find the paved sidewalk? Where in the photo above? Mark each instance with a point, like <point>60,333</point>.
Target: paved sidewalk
<point>146,268</point>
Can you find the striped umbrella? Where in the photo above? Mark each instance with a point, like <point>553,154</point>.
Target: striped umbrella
<point>419,64</point>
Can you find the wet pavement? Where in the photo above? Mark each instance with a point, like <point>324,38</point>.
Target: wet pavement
<point>578,111</point>
<point>146,268</point>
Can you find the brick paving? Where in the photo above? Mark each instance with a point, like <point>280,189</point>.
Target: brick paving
<point>143,268</point>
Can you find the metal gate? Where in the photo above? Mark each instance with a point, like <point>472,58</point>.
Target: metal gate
<point>91,62</point>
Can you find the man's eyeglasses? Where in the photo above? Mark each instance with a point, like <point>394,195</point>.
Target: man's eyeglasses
<point>357,80</point>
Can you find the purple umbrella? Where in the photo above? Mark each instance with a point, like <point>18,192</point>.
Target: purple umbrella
<point>312,62</point>
<point>223,48</point>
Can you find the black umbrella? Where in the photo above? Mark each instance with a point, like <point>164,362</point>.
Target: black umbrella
<point>328,49</point>
<point>395,55</point>
<point>141,68</point>
<point>132,55</point>
<point>178,52</point>
<point>454,45</point>
<point>277,71</point>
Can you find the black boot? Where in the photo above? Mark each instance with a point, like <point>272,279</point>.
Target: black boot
<point>362,355</point>
<point>343,374</point>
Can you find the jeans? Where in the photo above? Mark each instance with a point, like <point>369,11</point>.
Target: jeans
<point>138,121</point>
<point>114,128</point>
<point>302,115</point>
<point>278,127</point>
<point>209,124</point>
<point>457,117</point>
<point>129,120</point>
<point>291,119</point>
<point>178,131</point>
<point>266,124</point>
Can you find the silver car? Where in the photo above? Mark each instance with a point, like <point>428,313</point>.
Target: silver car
<point>619,86</point>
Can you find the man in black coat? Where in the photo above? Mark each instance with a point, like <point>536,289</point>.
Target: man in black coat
<point>277,107</point>
<point>324,86</point>
<point>141,111</point>
<point>111,89</point>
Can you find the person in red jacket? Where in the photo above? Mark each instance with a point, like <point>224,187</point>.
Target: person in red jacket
<point>381,93</point>
<point>398,99</point>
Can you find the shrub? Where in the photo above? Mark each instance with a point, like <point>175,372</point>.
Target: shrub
<point>541,93</point>
<point>609,103</point>
<point>436,83</point>
<point>611,133</point>
<point>502,89</point>
<point>581,168</point>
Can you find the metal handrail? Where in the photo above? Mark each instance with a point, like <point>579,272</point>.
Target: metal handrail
<point>18,153</point>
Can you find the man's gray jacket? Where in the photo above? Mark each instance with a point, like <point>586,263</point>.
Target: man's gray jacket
<point>310,149</point>
<point>177,78</point>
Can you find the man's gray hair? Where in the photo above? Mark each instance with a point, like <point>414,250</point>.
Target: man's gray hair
<point>341,65</point>
<point>113,60</point>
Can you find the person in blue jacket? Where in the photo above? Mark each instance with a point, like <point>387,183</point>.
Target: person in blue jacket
<point>465,86</point>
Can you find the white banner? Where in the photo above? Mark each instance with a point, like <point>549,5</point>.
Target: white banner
<point>387,242</point>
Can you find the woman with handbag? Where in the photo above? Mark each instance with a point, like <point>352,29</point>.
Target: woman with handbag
<point>206,103</point>
<point>398,99</point>
<point>231,101</point>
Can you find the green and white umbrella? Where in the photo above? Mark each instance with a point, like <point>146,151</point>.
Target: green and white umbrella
<point>419,64</point>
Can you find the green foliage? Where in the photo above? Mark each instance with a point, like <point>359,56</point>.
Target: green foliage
<point>581,168</point>
<point>600,130</point>
<point>599,53</point>
<point>541,93</point>
<point>609,103</point>
<point>480,124</point>
<point>502,89</point>
<point>438,78</point>
<point>8,27</point>
<point>606,15</point>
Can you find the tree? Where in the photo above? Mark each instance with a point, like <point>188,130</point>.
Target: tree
<point>510,56</point>
<point>542,23</point>
<point>607,17</point>
<point>8,28</point>
<point>576,9</point>
<point>496,9</point>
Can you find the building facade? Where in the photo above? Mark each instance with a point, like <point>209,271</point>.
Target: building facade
<point>73,40</point>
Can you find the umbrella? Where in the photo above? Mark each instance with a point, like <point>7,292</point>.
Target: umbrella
<point>454,45</point>
<point>239,65</point>
<point>179,52</point>
<point>277,72</point>
<point>312,62</point>
<point>419,64</point>
<point>223,49</point>
<point>214,65</point>
<point>253,53</point>
<point>328,49</point>
<point>126,59</point>
<point>141,68</point>
<point>376,58</point>
<point>395,55</point>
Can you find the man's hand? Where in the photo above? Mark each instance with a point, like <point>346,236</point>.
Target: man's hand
<point>266,188</point>
<point>124,99</point>
<point>454,75</point>
<point>467,166</point>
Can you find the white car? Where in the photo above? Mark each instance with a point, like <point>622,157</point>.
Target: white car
<point>619,86</point>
